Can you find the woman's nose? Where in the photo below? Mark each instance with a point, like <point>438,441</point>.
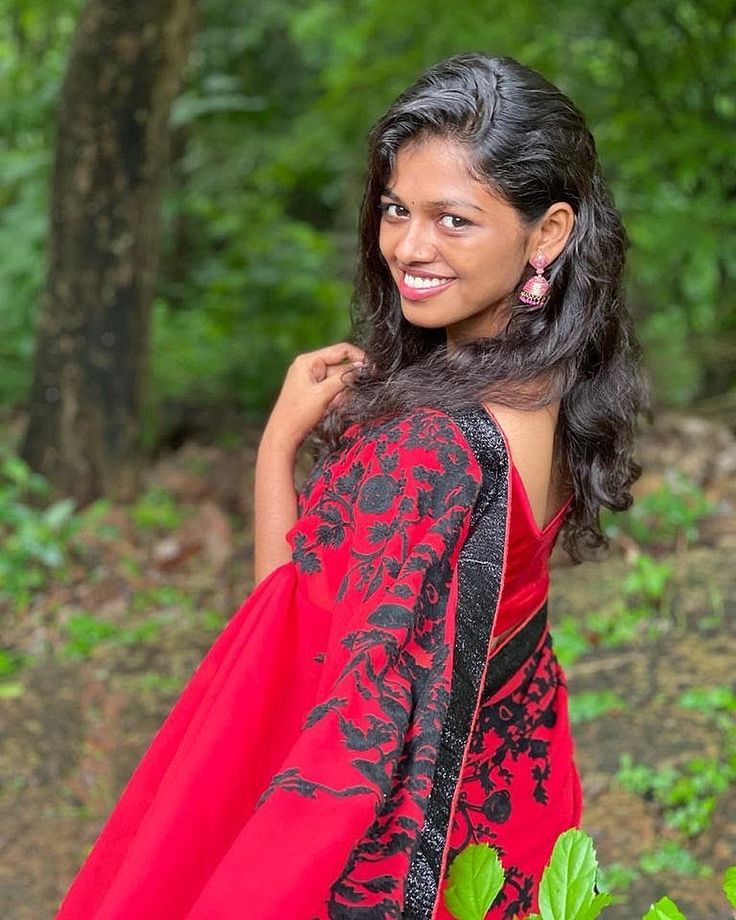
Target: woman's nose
<point>416,243</point>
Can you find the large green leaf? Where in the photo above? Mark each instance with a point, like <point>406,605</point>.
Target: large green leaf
<point>566,891</point>
<point>475,878</point>
<point>664,909</point>
<point>729,885</point>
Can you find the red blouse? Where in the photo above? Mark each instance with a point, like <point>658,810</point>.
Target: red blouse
<point>526,580</point>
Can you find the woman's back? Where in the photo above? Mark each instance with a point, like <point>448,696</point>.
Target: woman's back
<point>535,515</point>
<point>530,438</point>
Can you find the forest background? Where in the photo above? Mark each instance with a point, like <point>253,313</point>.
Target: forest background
<point>251,256</point>
<point>268,150</point>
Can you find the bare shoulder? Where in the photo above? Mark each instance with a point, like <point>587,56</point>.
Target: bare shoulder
<point>530,437</point>
<point>524,428</point>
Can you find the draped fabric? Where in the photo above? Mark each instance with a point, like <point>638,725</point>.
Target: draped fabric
<point>348,731</point>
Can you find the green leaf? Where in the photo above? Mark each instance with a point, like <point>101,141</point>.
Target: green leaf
<point>664,909</point>
<point>729,885</point>
<point>475,878</point>
<point>16,470</point>
<point>566,890</point>
<point>597,905</point>
<point>11,691</point>
<point>60,512</point>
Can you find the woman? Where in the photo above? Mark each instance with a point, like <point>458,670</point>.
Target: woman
<point>388,693</point>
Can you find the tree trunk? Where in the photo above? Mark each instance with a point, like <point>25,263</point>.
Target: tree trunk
<point>92,342</point>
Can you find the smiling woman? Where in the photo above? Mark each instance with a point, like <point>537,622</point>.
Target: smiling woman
<point>467,261</point>
<point>389,692</point>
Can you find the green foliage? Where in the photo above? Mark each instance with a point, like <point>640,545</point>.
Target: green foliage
<point>475,879</point>
<point>35,536</point>
<point>729,885</point>
<point>11,690</point>
<point>644,597</point>
<point>156,510</point>
<point>688,794</point>
<point>664,517</point>
<point>212,619</point>
<point>159,683</point>
<point>11,663</point>
<point>709,699</point>
<point>671,857</point>
<point>569,640</point>
<point>34,43</point>
<point>566,891</point>
<point>266,177</point>
<point>648,580</point>
<point>616,876</point>
<point>589,706</point>
<point>664,909</point>
<point>160,596</point>
<point>616,624</point>
<point>93,521</point>
<point>86,632</point>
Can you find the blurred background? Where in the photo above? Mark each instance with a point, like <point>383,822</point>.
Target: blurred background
<point>179,187</point>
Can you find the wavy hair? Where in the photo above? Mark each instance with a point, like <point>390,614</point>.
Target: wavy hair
<point>527,142</point>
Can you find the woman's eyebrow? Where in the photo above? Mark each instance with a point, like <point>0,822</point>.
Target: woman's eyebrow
<point>443,203</point>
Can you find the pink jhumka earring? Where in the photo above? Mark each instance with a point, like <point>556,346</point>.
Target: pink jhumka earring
<point>535,292</point>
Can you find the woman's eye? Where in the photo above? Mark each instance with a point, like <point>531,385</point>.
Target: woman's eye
<point>392,210</point>
<point>453,222</point>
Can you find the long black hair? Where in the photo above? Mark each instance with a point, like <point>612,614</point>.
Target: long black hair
<point>528,143</point>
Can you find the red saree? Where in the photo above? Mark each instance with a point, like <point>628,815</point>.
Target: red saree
<point>348,732</point>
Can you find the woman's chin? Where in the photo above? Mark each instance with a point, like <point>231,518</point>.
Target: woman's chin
<point>422,322</point>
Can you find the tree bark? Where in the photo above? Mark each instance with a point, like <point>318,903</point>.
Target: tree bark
<point>92,342</point>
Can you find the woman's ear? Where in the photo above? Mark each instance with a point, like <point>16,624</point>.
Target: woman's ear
<point>553,230</point>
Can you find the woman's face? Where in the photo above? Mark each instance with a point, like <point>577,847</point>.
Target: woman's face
<point>455,250</point>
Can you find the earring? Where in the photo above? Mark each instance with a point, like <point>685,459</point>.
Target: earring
<point>535,292</point>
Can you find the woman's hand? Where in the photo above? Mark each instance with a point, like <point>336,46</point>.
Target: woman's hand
<point>315,380</point>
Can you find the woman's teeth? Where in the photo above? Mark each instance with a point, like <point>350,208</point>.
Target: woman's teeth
<point>415,282</point>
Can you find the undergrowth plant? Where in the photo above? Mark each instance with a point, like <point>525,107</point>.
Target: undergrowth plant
<point>688,794</point>
<point>665,518</point>
<point>85,632</point>
<point>567,890</point>
<point>35,534</point>
<point>643,603</point>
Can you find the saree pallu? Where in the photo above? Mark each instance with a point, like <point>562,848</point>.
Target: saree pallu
<point>349,730</point>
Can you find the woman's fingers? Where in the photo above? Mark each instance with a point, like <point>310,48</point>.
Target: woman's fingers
<point>341,370</point>
<point>318,369</point>
<point>330,361</point>
<point>341,351</point>
<point>335,381</point>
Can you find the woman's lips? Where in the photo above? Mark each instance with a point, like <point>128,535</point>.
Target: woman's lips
<point>421,293</point>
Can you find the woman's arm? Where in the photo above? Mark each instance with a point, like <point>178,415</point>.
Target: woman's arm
<point>313,381</point>
<point>275,506</point>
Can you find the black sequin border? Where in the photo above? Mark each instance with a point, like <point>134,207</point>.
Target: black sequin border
<point>480,574</point>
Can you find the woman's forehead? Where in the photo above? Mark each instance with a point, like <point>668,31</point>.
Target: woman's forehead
<point>436,171</point>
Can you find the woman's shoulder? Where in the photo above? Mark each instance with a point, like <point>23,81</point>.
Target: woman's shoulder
<point>419,423</point>
<point>470,428</point>
<point>420,459</point>
<point>438,438</point>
